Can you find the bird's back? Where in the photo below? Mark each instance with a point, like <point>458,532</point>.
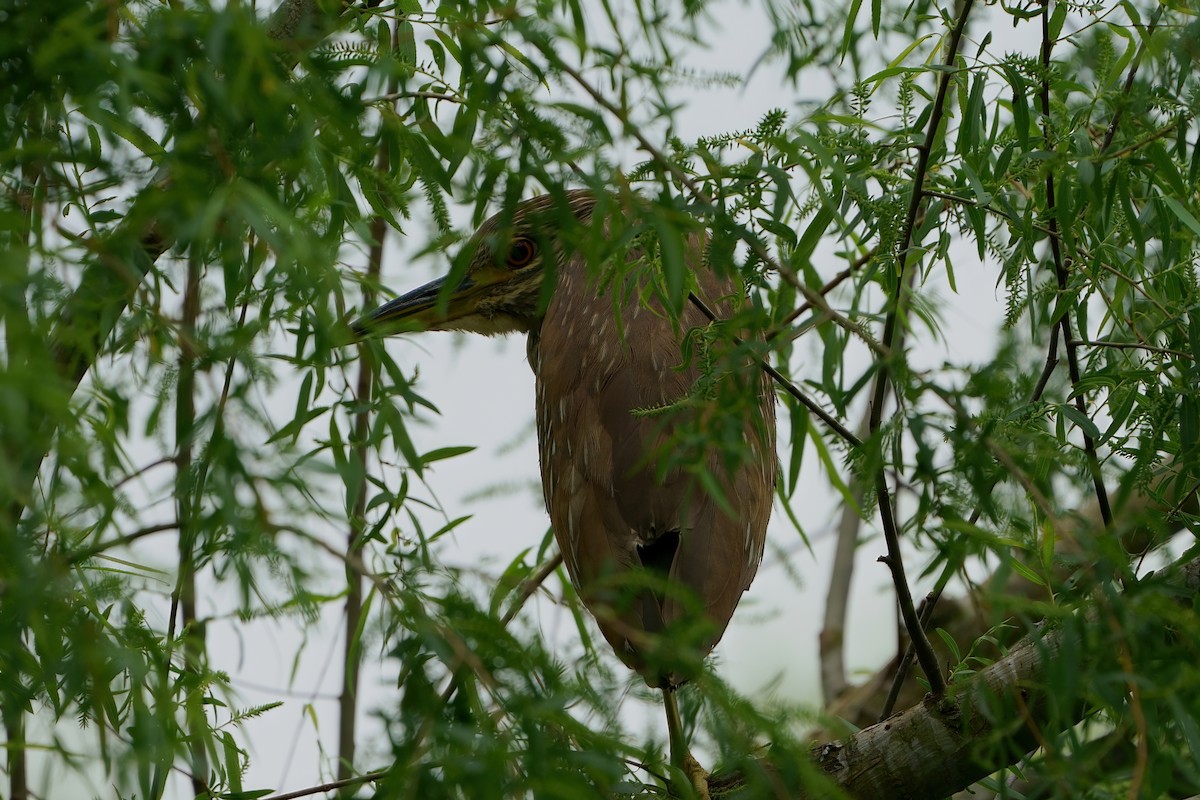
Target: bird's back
<point>613,512</point>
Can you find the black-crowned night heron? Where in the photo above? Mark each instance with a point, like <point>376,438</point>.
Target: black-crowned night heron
<point>616,513</point>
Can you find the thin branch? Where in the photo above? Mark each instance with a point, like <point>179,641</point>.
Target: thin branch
<point>1035,494</point>
<point>183,597</point>
<point>77,556</point>
<point>158,462</point>
<point>828,287</point>
<point>1061,274</point>
<point>392,97</point>
<point>530,587</point>
<point>832,639</point>
<point>1132,346</point>
<point>837,598</point>
<point>352,656</point>
<point>970,201</point>
<point>786,384</point>
<point>925,612</point>
<point>1137,287</point>
<point>332,786</point>
<point>880,761</point>
<point>1165,130</point>
<point>1048,368</point>
<point>15,745</point>
<point>891,532</point>
<point>1133,69</point>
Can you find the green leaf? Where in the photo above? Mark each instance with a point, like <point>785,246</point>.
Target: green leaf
<point>1081,420</point>
<point>1182,214</point>
<point>848,34</point>
<point>303,397</point>
<point>714,490</point>
<point>813,233</point>
<point>1057,17</point>
<point>448,527</point>
<point>94,144</point>
<point>950,643</point>
<point>513,576</point>
<point>1027,572</point>
<point>405,34</point>
<point>127,130</point>
<point>442,453</point>
<point>784,232</point>
<point>982,534</point>
<point>233,762</point>
<point>1189,428</point>
<point>799,419</point>
<point>675,271</point>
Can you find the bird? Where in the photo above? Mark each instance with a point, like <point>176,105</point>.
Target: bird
<point>648,546</point>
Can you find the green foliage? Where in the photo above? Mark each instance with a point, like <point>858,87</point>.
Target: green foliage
<point>191,195</point>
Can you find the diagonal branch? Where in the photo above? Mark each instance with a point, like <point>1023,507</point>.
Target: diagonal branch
<point>891,531</point>
<point>788,386</point>
<point>934,748</point>
<point>1061,274</point>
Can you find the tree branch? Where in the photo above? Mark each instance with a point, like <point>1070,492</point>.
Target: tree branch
<point>891,531</point>
<point>933,749</point>
<point>1061,274</point>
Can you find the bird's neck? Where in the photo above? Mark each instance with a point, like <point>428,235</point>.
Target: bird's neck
<point>532,341</point>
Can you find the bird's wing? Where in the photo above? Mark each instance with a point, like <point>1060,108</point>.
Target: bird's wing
<point>600,462</point>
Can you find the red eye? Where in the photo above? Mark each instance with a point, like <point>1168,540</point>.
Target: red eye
<point>521,254</point>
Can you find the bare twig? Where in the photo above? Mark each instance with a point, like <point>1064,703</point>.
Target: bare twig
<point>828,287</point>
<point>1164,131</point>
<point>1048,368</point>
<point>83,554</point>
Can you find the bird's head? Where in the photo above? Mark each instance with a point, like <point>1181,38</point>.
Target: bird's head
<point>503,276</point>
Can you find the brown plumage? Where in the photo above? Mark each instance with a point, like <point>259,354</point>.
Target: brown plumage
<point>612,513</point>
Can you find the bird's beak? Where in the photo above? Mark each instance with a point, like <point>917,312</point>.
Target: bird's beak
<point>418,309</point>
